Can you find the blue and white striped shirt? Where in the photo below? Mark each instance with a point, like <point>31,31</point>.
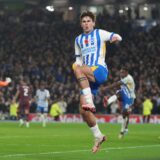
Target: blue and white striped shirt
<point>91,48</point>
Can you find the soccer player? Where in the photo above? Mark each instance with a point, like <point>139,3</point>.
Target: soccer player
<point>126,95</point>
<point>42,98</point>
<point>90,69</point>
<point>24,95</point>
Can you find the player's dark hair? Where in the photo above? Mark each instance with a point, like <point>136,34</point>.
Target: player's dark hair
<point>88,14</point>
<point>124,68</point>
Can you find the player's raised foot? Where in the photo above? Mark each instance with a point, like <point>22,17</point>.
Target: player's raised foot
<point>89,107</point>
<point>98,142</point>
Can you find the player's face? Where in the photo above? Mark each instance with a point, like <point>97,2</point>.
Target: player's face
<point>123,73</point>
<point>87,24</point>
<point>42,87</point>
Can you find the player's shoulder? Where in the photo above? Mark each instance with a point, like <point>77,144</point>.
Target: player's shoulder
<point>77,37</point>
<point>38,90</point>
<point>46,90</point>
<point>102,31</point>
<point>128,78</point>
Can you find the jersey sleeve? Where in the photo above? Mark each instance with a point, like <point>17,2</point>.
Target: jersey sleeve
<point>110,36</point>
<point>77,52</point>
<point>105,35</point>
<point>48,94</point>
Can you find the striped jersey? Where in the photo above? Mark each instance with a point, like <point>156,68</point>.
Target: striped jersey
<point>42,97</point>
<point>128,86</point>
<point>91,48</point>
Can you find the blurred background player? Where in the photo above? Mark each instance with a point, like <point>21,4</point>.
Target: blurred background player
<point>24,96</point>
<point>2,107</point>
<point>90,68</point>
<point>13,109</point>
<point>147,109</point>
<point>56,110</point>
<point>126,94</point>
<point>42,98</point>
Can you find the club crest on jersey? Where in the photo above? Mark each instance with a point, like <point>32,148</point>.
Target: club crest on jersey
<point>92,41</point>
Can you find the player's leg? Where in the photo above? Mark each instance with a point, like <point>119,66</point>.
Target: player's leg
<point>144,117</point>
<point>20,113</point>
<point>109,100</point>
<point>26,111</point>
<point>148,118</point>
<point>84,74</point>
<point>127,123</point>
<point>39,113</point>
<point>125,120</point>
<point>44,116</point>
<point>123,123</point>
<point>90,119</point>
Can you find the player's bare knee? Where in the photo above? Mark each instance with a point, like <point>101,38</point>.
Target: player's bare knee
<point>83,112</point>
<point>78,71</point>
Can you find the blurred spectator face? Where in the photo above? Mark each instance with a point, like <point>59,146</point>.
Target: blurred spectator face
<point>87,24</point>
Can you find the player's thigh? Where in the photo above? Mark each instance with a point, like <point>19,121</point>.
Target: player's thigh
<point>26,110</point>
<point>82,100</point>
<point>39,110</point>
<point>97,73</point>
<point>26,107</point>
<point>88,73</point>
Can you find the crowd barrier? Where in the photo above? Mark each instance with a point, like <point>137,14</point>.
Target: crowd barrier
<point>101,118</point>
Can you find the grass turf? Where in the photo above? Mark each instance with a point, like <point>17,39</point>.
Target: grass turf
<point>70,141</point>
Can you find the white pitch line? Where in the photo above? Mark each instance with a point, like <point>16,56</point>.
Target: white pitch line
<point>75,151</point>
<point>20,136</point>
<point>39,145</point>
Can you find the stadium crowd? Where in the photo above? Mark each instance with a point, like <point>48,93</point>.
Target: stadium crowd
<point>40,45</point>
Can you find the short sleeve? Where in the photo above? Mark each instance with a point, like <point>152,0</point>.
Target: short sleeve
<point>105,35</point>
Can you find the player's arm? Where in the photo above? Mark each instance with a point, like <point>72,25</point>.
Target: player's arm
<point>114,85</point>
<point>47,96</point>
<point>110,36</point>
<point>16,96</point>
<point>6,82</point>
<point>114,37</point>
<point>78,57</point>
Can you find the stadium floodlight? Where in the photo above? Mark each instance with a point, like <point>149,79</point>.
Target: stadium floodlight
<point>126,8</point>
<point>145,8</point>
<point>50,8</point>
<point>121,11</point>
<point>70,8</point>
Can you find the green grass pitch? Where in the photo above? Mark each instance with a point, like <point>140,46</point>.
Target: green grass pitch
<point>70,141</point>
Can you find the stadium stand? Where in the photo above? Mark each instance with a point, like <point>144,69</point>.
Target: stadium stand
<point>40,45</point>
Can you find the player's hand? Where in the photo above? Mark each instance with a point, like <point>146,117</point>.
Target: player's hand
<point>116,38</point>
<point>9,80</point>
